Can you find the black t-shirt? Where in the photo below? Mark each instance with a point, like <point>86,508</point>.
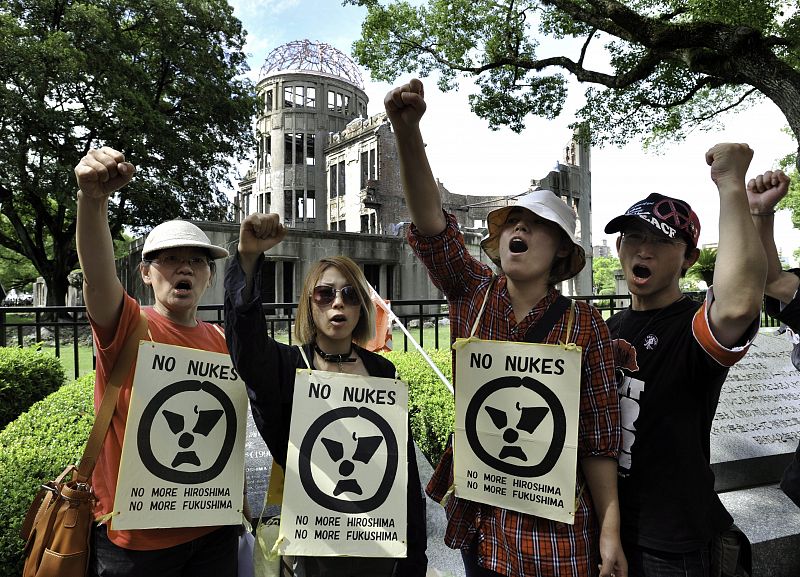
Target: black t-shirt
<point>669,388</point>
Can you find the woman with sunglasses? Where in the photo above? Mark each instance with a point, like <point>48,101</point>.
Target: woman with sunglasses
<point>334,316</point>
<point>178,263</point>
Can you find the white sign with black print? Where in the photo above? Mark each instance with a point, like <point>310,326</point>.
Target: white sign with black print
<point>516,430</point>
<point>346,472</point>
<point>183,457</point>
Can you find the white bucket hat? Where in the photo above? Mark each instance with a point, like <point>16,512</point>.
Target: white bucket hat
<point>179,233</point>
<point>548,205</point>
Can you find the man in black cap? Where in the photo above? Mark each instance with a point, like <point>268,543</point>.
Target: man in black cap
<point>764,192</point>
<point>673,355</point>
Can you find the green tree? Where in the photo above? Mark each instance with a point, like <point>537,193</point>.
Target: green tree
<point>16,271</point>
<point>665,67</point>
<point>792,198</point>
<point>160,80</point>
<point>603,269</point>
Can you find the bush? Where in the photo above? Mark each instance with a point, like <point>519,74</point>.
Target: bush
<point>431,407</point>
<point>34,449</point>
<point>26,376</point>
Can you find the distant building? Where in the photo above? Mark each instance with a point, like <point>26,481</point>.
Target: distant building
<point>572,181</point>
<point>306,91</point>
<point>601,250</point>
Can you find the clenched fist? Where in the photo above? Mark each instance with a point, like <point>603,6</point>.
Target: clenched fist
<point>102,172</point>
<point>260,232</point>
<point>766,190</point>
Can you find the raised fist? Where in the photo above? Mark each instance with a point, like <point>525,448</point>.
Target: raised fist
<point>102,172</point>
<point>260,232</point>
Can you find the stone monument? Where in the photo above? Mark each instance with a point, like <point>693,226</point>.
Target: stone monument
<point>754,434</point>
<point>257,465</point>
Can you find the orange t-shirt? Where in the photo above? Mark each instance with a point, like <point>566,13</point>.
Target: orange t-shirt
<point>104,478</point>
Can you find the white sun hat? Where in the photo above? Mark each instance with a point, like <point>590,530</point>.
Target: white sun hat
<point>177,234</point>
<point>547,205</point>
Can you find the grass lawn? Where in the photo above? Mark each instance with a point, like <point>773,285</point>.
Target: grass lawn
<point>428,338</point>
<point>68,359</point>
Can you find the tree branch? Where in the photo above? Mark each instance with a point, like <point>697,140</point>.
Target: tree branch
<point>646,65</point>
<point>705,117</point>
<point>705,82</point>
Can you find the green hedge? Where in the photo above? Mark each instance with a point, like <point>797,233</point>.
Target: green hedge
<point>35,448</point>
<point>431,407</point>
<point>26,376</point>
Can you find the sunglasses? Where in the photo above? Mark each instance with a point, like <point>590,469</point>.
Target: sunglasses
<point>324,295</point>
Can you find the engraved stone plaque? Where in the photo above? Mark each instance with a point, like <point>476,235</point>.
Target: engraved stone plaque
<point>757,425</point>
<point>257,465</point>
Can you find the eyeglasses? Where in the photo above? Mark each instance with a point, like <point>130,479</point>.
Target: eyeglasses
<point>636,239</point>
<point>174,261</point>
<point>324,295</point>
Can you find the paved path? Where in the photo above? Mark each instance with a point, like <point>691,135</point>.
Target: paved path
<point>442,561</point>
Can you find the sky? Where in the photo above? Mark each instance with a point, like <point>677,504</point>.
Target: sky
<point>469,158</point>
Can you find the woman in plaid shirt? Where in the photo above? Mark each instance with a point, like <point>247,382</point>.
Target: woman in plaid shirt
<point>493,540</point>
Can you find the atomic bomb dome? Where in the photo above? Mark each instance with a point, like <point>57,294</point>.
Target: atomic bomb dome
<point>308,55</point>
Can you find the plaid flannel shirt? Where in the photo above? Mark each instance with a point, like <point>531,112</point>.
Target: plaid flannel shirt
<point>510,542</point>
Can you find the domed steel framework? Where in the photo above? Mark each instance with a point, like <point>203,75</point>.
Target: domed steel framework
<point>310,55</point>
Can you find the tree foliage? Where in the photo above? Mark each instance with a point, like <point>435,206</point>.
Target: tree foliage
<point>160,80</point>
<point>792,198</point>
<point>16,271</point>
<point>603,279</point>
<point>664,66</point>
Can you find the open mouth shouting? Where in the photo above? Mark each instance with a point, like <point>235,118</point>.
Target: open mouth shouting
<point>183,288</point>
<point>640,273</point>
<point>516,245</point>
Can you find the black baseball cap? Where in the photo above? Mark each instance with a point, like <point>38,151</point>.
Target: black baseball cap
<point>668,216</point>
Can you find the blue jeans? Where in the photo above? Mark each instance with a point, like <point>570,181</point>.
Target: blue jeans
<point>643,562</point>
<point>212,555</point>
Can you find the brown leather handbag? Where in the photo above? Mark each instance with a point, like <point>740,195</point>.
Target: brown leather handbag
<point>57,528</point>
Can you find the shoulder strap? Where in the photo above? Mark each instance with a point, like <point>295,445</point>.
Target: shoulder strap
<point>103,418</point>
<point>483,306</point>
<point>537,332</point>
<point>303,354</point>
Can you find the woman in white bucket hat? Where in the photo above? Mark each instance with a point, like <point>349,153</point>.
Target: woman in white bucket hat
<point>533,243</point>
<point>178,263</point>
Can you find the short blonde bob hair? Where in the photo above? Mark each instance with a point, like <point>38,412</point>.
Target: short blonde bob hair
<point>304,329</point>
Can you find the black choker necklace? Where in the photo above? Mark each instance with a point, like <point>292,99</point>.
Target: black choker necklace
<point>329,358</point>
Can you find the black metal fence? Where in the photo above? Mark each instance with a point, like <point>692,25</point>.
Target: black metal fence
<point>67,331</point>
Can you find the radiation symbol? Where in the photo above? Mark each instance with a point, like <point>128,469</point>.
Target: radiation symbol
<point>511,422</point>
<point>187,432</point>
<point>349,474</point>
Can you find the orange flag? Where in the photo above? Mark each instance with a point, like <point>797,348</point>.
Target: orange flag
<point>382,341</point>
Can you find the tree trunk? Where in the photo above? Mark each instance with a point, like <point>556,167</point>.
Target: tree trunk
<point>57,287</point>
